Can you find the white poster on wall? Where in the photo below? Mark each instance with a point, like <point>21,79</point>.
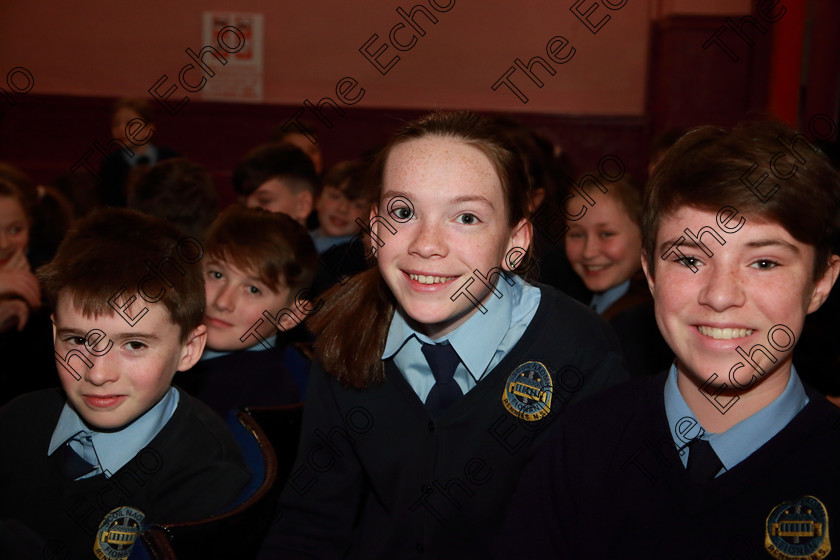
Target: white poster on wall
<point>239,37</point>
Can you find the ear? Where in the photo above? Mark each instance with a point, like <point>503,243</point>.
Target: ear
<point>193,348</point>
<point>303,206</point>
<point>648,273</point>
<point>520,238</point>
<point>822,287</point>
<point>537,197</point>
<point>52,321</point>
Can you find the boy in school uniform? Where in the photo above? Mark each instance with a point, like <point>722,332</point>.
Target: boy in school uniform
<point>279,178</point>
<point>728,454</point>
<point>257,266</point>
<point>87,468</point>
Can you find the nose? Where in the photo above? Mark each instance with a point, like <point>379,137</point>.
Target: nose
<point>343,205</point>
<point>105,370</point>
<point>722,287</point>
<point>225,299</point>
<point>591,247</point>
<point>429,240</point>
<point>4,239</point>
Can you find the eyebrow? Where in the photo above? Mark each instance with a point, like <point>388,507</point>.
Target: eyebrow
<point>70,331</point>
<point>458,199</point>
<point>757,244</point>
<point>473,198</point>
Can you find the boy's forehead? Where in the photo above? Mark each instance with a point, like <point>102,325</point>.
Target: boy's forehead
<point>70,308</point>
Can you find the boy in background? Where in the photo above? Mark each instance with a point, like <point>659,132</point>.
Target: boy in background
<point>133,125</point>
<point>277,178</point>
<point>119,448</point>
<point>728,454</point>
<point>341,201</point>
<point>256,267</point>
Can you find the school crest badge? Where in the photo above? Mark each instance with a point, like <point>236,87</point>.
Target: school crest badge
<point>527,392</point>
<point>117,533</point>
<point>798,529</point>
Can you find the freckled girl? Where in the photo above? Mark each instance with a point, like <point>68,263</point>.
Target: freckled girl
<point>433,386</point>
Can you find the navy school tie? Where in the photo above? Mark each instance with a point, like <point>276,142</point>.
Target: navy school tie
<point>443,360</point>
<point>703,463</point>
<point>74,465</point>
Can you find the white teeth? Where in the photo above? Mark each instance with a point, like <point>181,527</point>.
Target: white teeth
<point>430,279</point>
<point>597,268</point>
<point>724,334</point>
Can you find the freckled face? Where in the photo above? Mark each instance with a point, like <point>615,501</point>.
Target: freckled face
<point>604,246</point>
<point>759,279</point>
<point>445,201</point>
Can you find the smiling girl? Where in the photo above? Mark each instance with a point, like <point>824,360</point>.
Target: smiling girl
<point>425,400</point>
<point>19,289</point>
<point>604,248</point>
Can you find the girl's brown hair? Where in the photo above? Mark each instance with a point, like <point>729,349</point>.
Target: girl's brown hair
<point>352,326</point>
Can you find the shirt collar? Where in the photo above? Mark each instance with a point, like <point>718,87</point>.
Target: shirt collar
<point>477,339</point>
<point>744,438</point>
<point>116,449</point>
<point>601,302</point>
<point>151,154</point>
<point>324,242</point>
<point>267,344</point>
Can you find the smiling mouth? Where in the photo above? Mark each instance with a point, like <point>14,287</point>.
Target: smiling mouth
<point>103,401</point>
<point>598,268</point>
<point>218,323</point>
<point>724,334</point>
<point>423,279</point>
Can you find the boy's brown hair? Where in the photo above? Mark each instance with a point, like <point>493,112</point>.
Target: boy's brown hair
<point>140,106</point>
<point>709,168</point>
<point>112,250</point>
<point>273,245</point>
<point>348,177</point>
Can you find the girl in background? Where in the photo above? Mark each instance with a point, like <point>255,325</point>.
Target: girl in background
<point>604,248</point>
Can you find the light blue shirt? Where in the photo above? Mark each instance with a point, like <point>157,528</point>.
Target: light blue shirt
<point>601,302</point>
<point>113,450</point>
<point>324,242</point>
<point>481,342</point>
<point>269,344</point>
<point>744,438</point>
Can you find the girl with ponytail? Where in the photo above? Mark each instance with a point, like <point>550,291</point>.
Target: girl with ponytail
<point>440,370</point>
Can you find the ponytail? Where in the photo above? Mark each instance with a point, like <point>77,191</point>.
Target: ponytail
<point>352,327</point>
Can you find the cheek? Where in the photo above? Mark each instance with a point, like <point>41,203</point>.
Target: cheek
<point>574,248</point>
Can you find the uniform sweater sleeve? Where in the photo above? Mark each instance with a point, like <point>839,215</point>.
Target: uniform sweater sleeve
<point>320,502</point>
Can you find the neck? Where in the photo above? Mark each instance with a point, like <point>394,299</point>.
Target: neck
<point>719,412</point>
